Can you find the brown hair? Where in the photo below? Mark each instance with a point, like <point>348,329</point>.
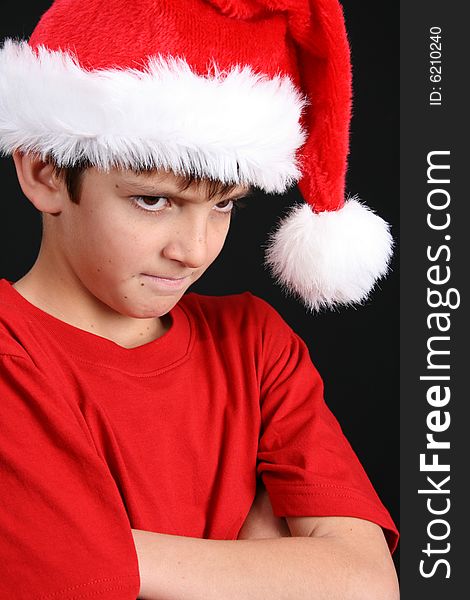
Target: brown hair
<point>72,177</point>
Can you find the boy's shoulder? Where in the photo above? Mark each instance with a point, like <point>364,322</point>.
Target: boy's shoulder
<point>240,301</point>
<point>12,320</point>
<point>241,319</point>
<point>234,309</point>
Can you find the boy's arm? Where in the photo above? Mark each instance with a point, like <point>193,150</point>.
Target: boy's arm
<point>64,531</point>
<point>261,521</point>
<point>327,558</point>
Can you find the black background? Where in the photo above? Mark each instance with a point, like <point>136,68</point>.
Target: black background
<point>355,349</point>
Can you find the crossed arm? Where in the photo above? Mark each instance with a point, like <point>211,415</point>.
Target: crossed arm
<point>324,558</point>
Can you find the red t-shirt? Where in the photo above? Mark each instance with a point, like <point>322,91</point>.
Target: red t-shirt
<point>166,437</point>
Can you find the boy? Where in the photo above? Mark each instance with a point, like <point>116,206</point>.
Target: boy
<point>129,405</point>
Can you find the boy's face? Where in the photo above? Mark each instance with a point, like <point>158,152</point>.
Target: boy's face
<point>135,242</point>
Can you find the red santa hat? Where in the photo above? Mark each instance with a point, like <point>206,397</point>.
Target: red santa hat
<point>254,92</point>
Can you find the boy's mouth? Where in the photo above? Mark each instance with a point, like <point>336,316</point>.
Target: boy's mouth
<point>165,281</point>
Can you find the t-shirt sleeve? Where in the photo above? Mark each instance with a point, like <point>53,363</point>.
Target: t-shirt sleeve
<point>64,532</point>
<point>307,465</point>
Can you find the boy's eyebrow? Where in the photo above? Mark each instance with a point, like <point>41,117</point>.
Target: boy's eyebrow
<point>246,194</point>
<point>163,189</point>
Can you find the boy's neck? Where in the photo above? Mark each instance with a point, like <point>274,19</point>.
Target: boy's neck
<point>76,309</point>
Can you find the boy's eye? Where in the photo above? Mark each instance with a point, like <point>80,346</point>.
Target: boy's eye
<point>225,206</point>
<point>151,203</point>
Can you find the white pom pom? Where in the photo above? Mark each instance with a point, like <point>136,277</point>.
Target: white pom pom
<point>330,258</point>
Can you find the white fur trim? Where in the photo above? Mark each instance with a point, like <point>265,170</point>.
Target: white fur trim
<point>330,258</point>
<point>237,126</point>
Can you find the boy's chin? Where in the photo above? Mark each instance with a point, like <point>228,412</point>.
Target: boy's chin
<point>160,307</point>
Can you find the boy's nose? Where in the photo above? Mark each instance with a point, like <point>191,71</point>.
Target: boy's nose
<point>188,245</point>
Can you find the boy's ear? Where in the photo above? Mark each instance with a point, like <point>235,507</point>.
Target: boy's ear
<point>39,183</point>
